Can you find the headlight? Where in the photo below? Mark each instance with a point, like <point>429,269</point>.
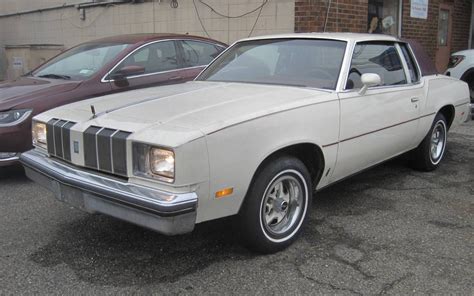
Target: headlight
<point>454,60</point>
<point>162,162</point>
<point>13,117</point>
<point>39,134</point>
<point>153,162</point>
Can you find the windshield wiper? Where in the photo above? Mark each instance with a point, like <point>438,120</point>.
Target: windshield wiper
<point>55,76</point>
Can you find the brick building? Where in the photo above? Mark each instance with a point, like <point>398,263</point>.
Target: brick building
<point>445,27</point>
<point>34,30</point>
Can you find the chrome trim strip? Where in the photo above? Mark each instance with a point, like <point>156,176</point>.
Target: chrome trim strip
<point>155,73</point>
<point>62,138</point>
<point>112,151</point>
<point>10,158</point>
<point>119,192</point>
<point>378,130</point>
<point>387,127</point>
<point>461,105</point>
<point>97,149</point>
<point>54,138</point>
<point>385,87</point>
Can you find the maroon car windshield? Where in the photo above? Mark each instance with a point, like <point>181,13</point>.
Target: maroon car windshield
<point>80,62</point>
<point>296,62</point>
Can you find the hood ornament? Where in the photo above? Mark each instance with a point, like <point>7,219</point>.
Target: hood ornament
<point>93,112</point>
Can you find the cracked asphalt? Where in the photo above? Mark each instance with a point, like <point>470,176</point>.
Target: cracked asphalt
<point>390,230</point>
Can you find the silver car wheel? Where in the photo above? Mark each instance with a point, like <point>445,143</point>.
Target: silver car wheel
<point>438,142</point>
<point>283,203</point>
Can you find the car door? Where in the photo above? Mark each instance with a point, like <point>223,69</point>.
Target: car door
<point>196,56</point>
<point>383,121</point>
<point>160,64</point>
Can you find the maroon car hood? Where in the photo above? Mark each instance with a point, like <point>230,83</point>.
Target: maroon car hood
<point>25,89</point>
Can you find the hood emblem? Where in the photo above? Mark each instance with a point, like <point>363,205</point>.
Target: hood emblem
<point>93,112</point>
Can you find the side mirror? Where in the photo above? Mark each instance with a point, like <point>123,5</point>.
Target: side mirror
<point>368,80</point>
<point>127,71</point>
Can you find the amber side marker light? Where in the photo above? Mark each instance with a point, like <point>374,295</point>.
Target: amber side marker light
<point>224,192</point>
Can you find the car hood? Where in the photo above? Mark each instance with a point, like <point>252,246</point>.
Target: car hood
<point>191,109</point>
<point>24,89</point>
<point>467,52</point>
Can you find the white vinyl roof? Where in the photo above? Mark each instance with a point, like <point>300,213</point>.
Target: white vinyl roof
<point>328,35</point>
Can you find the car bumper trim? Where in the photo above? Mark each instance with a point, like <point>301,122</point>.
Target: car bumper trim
<point>164,212</point>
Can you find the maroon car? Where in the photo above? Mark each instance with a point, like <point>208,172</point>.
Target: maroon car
<point>97,68</point>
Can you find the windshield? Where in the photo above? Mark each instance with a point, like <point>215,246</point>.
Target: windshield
<point>80,62</point>
<point>298,62</point>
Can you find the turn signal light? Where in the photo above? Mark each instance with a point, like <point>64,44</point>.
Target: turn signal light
<point>224,192</point>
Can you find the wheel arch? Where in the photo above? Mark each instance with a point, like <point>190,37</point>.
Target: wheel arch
<point>448,112</point>
<point>309,153</point>
<point>467,74</point>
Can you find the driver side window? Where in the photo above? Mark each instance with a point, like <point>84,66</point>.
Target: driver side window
<point>380,58</point>
<point>157,57</point>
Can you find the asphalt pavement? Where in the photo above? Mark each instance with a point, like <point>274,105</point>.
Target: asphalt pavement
<point>390,230</point>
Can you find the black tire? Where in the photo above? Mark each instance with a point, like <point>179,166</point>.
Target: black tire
<point>468,77</point>
<point>470,81</point>
<point>423,158</point>
<point>259,235</point>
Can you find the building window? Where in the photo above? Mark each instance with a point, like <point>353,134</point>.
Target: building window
<point>443,27</point>
<point>384,17</point>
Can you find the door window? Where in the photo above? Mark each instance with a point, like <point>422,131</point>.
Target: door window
<point>378,58</point>
<point>197,53</point>
<point>157,57</point>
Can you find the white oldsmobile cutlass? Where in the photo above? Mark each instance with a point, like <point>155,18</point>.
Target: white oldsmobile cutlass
<point>270,121</point>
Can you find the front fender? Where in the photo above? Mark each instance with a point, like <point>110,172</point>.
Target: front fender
<point>236,152</point>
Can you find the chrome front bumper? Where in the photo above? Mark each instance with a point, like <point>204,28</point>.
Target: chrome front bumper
<point>164,212</point>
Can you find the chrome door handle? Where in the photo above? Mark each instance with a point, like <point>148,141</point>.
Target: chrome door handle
<point>414,100</point>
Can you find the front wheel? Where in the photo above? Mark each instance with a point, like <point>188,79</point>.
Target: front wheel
<point>428,155</point>
<point>276,205</point>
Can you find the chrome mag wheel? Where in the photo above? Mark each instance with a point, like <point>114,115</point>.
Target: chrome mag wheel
<point>284,204</point>
<point>438,142</point>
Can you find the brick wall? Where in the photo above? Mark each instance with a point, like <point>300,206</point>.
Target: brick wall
<point>351,16</point>
<point>461,24</point>
<point>344,16</point>
<point>426,31</point>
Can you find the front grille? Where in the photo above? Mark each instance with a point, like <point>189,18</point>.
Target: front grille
<point>58,134</point>
<point>105,149</point>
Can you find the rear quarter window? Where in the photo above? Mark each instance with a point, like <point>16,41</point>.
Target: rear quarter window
<point>415,76</point>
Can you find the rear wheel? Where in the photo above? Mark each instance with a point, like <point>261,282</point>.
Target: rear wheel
<point>276,205</point>
<point>428,155</point>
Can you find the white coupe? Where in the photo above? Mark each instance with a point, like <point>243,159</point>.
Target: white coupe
<point>269,122</point>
